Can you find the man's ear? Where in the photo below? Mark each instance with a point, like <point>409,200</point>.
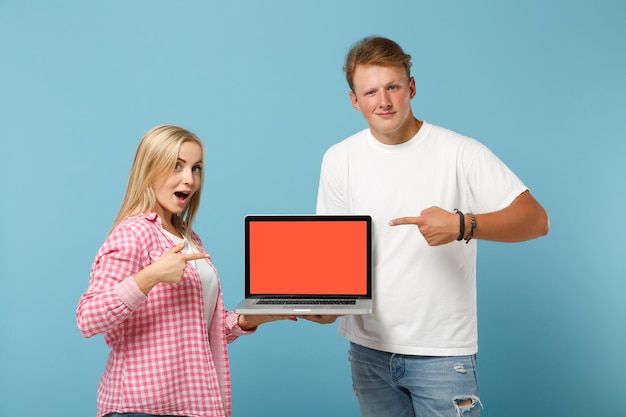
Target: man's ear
<point>354,101</point>
<point>412,88</point>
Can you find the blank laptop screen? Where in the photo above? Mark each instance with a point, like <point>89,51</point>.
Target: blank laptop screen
<point>307,257</point>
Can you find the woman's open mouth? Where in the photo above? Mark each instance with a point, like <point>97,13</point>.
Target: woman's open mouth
<point>182,196</point>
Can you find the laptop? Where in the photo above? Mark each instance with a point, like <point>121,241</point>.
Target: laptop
<point>307,265</point>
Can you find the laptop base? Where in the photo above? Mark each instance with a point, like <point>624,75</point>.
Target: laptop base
<point>251,307</point>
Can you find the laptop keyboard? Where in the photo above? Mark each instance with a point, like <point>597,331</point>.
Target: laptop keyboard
<point>308,301</point>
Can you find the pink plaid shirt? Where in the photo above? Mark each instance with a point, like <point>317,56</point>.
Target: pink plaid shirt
<point>163,358</point>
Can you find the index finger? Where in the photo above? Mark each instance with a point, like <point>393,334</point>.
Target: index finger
<point>194,256</point>
<point>178,247</point>
<point>405,220</point>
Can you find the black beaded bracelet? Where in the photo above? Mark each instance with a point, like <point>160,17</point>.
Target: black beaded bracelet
<point>473,226</point>
<point>462,225</point>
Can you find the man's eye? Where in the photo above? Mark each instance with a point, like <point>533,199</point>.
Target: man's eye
<point>393,87</point>
<point>369,93</point>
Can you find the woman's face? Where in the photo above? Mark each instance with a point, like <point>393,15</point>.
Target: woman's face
<point>174,191</point>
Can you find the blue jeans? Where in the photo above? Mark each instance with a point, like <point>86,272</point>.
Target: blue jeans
<point>393,385</point>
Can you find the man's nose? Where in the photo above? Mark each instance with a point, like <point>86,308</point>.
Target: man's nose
<point>385,101</point>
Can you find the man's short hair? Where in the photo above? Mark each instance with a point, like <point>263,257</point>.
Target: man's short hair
<point>375,50</point>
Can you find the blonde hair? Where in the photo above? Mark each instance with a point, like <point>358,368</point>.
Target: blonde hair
<point>375,50</point>
<point>156,158</point>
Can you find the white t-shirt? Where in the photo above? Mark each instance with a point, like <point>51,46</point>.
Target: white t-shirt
<point>424,297</point>
<point>208,277</point>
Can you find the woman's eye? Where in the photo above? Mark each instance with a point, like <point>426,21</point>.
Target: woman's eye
<point>197,169</point>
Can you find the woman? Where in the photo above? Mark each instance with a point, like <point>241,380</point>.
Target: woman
<point>155,295</point>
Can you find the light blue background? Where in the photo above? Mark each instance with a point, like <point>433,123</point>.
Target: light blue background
<point>542,83</point>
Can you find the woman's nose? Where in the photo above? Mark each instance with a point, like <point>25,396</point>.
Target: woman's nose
<point>187,176</point>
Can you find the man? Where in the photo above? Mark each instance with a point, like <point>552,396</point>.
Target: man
<point>431,193</point>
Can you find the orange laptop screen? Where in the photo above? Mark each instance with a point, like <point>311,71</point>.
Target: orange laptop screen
<point>308,255</point>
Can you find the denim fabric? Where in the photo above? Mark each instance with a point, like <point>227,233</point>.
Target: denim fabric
<point>394,385</point>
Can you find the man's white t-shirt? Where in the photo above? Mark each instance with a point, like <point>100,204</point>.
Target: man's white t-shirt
<point>424,297</point>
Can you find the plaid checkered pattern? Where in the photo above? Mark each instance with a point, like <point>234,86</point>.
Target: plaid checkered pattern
<point>164,359</point>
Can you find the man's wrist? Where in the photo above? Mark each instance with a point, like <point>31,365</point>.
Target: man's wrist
<point>471,226</point>
<point>461,224</point>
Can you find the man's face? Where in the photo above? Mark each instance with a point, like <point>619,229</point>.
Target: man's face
<point>383,95</point>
